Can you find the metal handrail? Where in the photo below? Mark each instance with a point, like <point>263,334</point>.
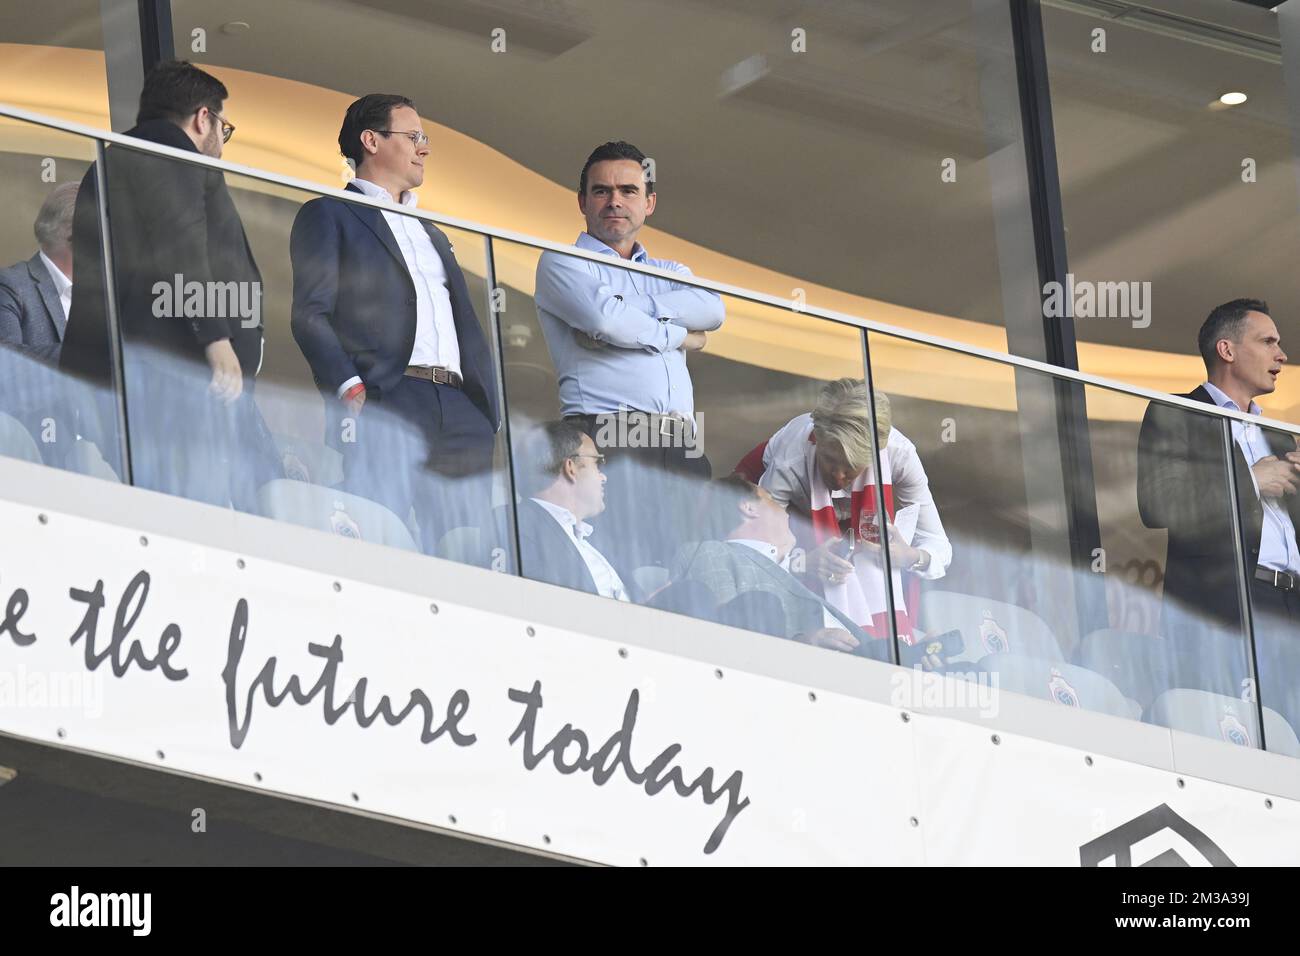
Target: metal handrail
<point>721,288</point>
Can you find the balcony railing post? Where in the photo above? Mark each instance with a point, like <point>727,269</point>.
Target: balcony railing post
<point>498,351</point>
<point>881,512</point>
<point>110,311</point>
<point>1243,578</point>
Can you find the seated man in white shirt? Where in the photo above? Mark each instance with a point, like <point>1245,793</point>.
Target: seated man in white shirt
<point>562,475</point>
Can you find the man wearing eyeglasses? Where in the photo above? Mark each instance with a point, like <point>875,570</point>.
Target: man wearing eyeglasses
<point>190,360</point>
<point>382,312</point>
<point>562,473</point>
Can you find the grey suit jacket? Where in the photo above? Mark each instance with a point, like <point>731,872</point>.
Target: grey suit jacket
<point>729,570</point>
<point>31,318</point>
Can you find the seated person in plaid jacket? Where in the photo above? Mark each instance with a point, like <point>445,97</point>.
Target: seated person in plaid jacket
<point>744,572</point>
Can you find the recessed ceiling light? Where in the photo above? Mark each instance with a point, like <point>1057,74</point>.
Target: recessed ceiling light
<point>235,27</point>
<point>1232,99</point>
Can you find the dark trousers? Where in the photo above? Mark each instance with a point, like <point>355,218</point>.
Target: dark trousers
<point>187,443</point>
<point>1276,616</point>
<point>650,500</point>
<point>426,447</point>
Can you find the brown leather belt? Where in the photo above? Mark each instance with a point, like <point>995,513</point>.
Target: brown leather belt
<point>1279,579</point>
<point>434,373</point>
<point>666,424</point>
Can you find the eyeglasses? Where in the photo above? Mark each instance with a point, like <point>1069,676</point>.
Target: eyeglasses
<point>419,139</point>
<point>227,129</point>
<point>600,459</point>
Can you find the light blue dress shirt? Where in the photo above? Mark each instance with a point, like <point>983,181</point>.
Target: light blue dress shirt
<point>615,336</point>
<point>1277,543</point>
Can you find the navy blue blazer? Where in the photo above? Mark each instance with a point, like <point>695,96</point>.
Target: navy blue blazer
<point>354,302</point>
<point>548,553</point>
<point>31,317</point>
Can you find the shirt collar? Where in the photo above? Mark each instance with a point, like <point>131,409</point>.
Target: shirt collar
<point>579,529</point>
<point>61,282</point>
<point>589,242</point>
<point>1223,401</point>
<point>379,192</point>
<point>762,547</point>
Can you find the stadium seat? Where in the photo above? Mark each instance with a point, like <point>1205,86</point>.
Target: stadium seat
<point>987,626</point>
<point>650,578</point>
<point>309,461</point>
<point>1144,666</point>
<point>1279,665</point>
<point>1227,718</point>
<point>461,544</point>
<point>1056,680</point>
<point>86,459</point>
<point>16,442</point>
<point>327,509</point>
<point>1135,663</point>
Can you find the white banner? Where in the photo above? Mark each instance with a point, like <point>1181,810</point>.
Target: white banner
<point>269,676</point>
<point>194,659</point>
<point>1029,802</point>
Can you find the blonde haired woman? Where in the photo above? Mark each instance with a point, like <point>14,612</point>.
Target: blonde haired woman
<point>821,466</point>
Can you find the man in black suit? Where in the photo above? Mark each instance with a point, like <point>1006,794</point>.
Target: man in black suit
<point>188,300</point>
<point>383,315</point>
<point>1183,486</point>
<point>561,473</point>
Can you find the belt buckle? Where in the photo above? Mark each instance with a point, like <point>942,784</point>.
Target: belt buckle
<point>1279,577</point>
<point>666,426</point>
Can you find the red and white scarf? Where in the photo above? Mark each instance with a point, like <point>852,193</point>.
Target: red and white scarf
<point>862,595</point>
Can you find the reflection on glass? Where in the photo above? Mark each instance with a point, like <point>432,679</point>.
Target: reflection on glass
<point>246,310</point>
<point>1102,626</point>
<point>387,320</point>
<point>699,503</point>
<point>1189,665</point>
<point>1156,241</point>
<point>190,312</point>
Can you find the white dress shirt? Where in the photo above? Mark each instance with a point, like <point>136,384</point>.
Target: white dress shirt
<point>608,583</point>
<point>1277,540</point>
<point>615,336</point>
<point>435,326</point>
<point>62,284</point>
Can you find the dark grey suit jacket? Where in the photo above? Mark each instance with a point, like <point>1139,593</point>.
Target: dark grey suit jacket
<point>31,336</point>
<point>1183,486</point>
<point>31,318</point>
<point>547,553</point>
<point>729,570</point>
